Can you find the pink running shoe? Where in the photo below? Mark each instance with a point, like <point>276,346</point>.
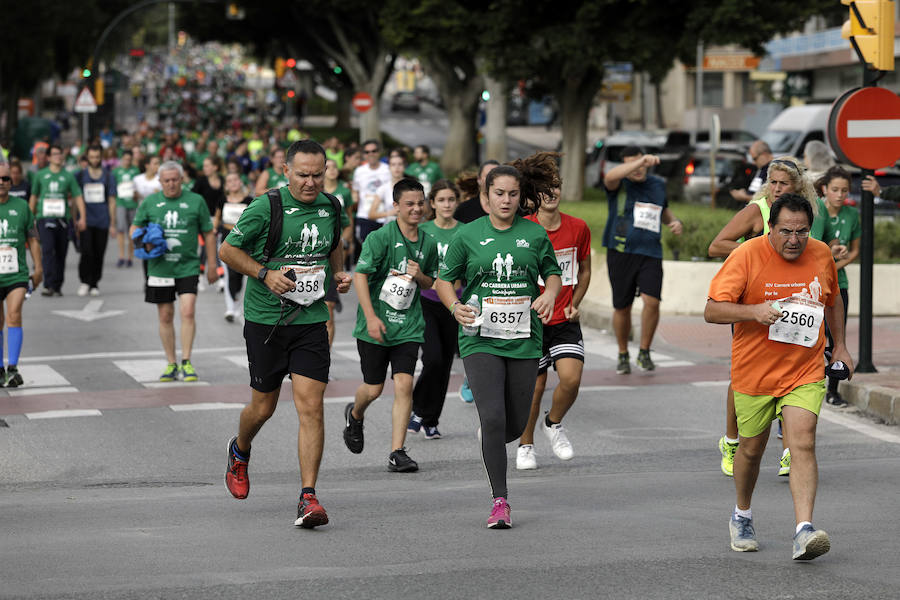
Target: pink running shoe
<point>499,518</point>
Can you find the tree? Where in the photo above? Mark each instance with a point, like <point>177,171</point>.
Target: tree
<point>445,35</point>
<point>47,39</point>
<point>327,34</point>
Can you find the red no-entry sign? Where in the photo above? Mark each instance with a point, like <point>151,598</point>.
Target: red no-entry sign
<point>362,101</point>
<point>864,127</point>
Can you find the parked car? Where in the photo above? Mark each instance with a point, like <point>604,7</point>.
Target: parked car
<point>733,171</point>
<point>405,101</point>
<point>607,153</point>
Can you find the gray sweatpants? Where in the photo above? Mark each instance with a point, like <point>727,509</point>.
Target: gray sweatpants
<point>503,388</point>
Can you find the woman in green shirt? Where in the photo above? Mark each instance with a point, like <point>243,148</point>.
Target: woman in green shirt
<point>838,226</point>
<point>500,256</point>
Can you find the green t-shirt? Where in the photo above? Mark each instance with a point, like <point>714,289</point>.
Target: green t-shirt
<point>306,236</point>
<point>16,223</point>
<point>125,187</point>
<point>385,252</point>
<point>342,193</point>
<point>182,219</point>
<point>501,267</point>
<point>427,174</point>
<point>844,227</point>
<point>53,191</point>
<point>276,180</point>
<point>442,238</point>
<point>197,159</point>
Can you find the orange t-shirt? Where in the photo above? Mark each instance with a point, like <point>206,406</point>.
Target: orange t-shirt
<point>754,273</point>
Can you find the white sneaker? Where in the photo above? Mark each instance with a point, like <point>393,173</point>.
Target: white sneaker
<point>201,284</point>
<point>525,459</point>
<point>94,291</point>
<point>83,289</point>
<point>560,443</point>
<point>229,316</point>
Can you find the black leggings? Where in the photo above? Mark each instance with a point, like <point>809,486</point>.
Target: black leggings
<point>503,388</point>
<point>441,331</point>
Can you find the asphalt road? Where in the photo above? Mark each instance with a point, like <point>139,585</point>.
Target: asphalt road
<point>127,501</point>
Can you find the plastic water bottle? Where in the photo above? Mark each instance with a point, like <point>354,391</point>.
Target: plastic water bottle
<point>476,306</point>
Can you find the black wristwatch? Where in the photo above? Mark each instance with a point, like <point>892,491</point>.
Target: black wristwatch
<point>261,276</point>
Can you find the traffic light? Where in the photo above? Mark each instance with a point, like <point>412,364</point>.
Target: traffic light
<point>337,69</point>
<point>871,31</point>
<point>279,68</point>
<point>85,73</point>
<point>485,95</point>
<point>290,63</point>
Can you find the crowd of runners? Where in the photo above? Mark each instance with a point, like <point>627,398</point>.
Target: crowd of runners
<point>484,266</point>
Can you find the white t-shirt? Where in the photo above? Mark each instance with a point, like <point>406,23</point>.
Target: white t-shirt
<point>144,187</point>
<point>366,182</point>
<point>385,193</point>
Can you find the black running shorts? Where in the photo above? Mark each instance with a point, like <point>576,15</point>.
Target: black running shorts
<point>562,340</point>
<point>633,274</point>
<point>166,294</point>
<point>374,360</point>
<point>296,349</point>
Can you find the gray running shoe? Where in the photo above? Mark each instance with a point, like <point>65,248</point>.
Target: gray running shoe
<point>624,366</point>
<point>644,361</point>
<point>743,536</point>
<point>810,543</point>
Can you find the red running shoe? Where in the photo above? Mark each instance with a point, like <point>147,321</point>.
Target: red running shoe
<point>310,513</point>
<point>236,479</point>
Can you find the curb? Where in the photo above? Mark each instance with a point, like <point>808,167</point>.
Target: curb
<point>875,400</point>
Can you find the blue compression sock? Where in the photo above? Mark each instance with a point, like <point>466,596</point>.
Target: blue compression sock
<point>15,344</point>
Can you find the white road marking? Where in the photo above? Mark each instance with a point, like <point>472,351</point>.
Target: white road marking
<point>133,354</point>
<point>58,414</point>
<point>154,385</point>
<point>42,376</point>
<point>605,388</point>
<point>863,428</point>
<point>205,406</point>
<point>710,383</point>
<point>36,391</point>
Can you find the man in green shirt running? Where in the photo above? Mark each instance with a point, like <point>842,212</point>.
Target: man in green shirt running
<point>16,229</point>
<point>182,216</point>
<point>423,168</point>
<point>395,263</point>
<point>126,205</point>
<point>52,191</point>
<point>285,315</point>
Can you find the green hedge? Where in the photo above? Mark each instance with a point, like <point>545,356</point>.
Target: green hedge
<point>701,224</point>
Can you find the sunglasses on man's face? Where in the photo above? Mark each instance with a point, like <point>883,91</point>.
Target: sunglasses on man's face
<point>5,178</point>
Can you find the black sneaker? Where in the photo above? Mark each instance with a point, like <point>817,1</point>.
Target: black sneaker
<point>2,376</point>
<point>13,377</point>
<point>353,431</point>
<point>835,400</point>
<point>399,462</point>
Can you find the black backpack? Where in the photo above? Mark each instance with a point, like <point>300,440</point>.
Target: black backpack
<point>277,219</point>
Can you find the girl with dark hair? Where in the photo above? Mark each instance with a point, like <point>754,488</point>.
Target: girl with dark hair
<point>440,326</point>
<point>838,226</point>
<point>501,256</point>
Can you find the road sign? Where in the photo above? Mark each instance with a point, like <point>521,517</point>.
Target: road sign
<point>84,102</point>
<point>362,102</point>
<point>864,127</point>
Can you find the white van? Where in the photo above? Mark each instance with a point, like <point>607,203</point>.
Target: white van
<point>789,132</point>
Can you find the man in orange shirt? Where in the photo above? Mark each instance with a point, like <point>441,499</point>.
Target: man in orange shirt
<point>777,290</point>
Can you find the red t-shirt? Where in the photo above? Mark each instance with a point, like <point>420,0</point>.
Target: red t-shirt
<point>755,273</point>
<point>572,243</point>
